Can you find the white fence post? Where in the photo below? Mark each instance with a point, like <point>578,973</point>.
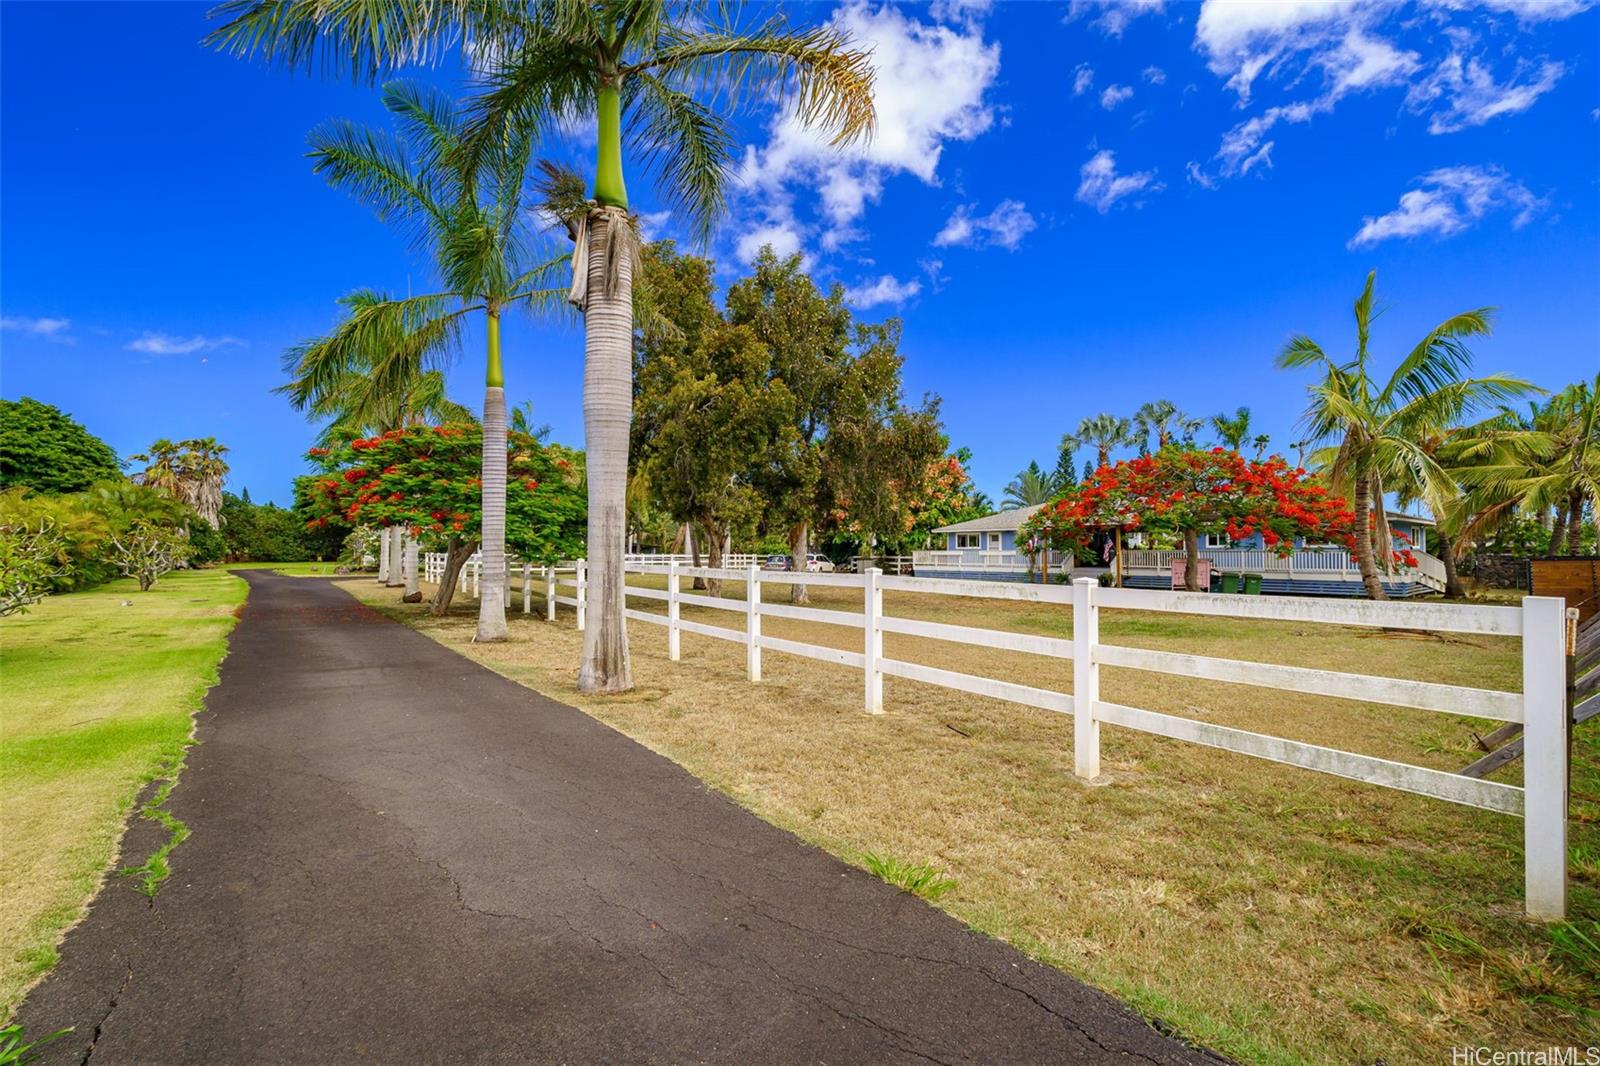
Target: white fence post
<point>1544,756</point>
<point>674,644</point>
<point>872,605</point>
<point>477,580</point>
<point>752,622</point>
<point>550,594</point>
<point>527,588</point>
<point>581,580</point>
<point>1085,679</point>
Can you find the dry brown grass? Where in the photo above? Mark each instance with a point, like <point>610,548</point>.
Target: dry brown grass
<point>1277,915</point>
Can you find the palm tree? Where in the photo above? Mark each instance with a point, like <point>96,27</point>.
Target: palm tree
<point>1232,432</point>
<point>1163,420</point>
<point>343,385</point>
<point>637,66</point>
<point>1103,432</point>
<point>1377,433</point>
<point>1030,487</point>
<point>1550,463</point>
<point>1261,442</point>
<point>189,471</point>
<point>474,224</point>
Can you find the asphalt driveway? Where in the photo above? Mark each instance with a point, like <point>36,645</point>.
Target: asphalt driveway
<point>398,856</point>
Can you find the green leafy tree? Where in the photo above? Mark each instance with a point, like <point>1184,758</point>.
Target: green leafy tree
<point>1066,471</point>
<point>45,450</point>
<point>1375,431</point>
<point>1232,430</point>
<point>427,479</point>
<point>30,562</point>
<point>718,413</point>
<point>661,81</point>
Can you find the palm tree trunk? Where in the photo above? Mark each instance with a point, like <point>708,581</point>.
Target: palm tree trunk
<point>456,555</point>
<point>492,598</point>
<point>1452,580</point>
<point>1364,540</point>
<point>413,593</point>
<point>1191,561</point>
<point>1575,524</point>
<point>799,549</point>
<point>607,418</point>
<point>1558,531</point>
<point>396,540</point>
<point>383,555</point>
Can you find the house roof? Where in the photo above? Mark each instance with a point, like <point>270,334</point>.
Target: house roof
<point>1401,516</point>
<point>999,522</point>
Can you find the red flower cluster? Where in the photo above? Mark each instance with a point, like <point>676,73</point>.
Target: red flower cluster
<point>1187,490</point>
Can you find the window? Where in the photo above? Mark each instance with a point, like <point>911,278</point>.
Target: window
<point>967,540</point>
<point>1216,540</point>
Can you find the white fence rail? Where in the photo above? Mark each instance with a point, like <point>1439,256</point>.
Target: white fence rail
<point>1540,707</point>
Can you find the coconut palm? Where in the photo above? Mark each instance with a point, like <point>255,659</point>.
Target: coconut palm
<point>473,223</point>
<point>1549,463</point>
<point>1103,432</point>
<point>1030,487</point>
<point>1233,431</point>
<point>1374,435</point>
<point>660,80</point>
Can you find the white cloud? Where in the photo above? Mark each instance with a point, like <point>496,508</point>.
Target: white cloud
<point>1113,16</point>
<point>885,290</point>
<point>1472,96</point>
<point>1004,227</point>
<point>1100,186</point>
<point>1525,10</point>
<point>784,240</point>
<point>54,329</point>
<point>1154,75</point>
<point>931,83</point>
<point>1447,201</point>
<point>1114,95</point>
<point>1321,51</point>
<point>1082,79</point>
<point>157,343</point>
<point>652,223</point>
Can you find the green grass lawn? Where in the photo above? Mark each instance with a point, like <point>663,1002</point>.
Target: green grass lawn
<point>100,688</point>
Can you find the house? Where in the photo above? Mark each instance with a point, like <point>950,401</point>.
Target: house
<point>987,548</point>
<point>983,547</point>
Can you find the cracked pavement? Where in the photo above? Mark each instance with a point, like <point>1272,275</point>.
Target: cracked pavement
<point>399,856</point>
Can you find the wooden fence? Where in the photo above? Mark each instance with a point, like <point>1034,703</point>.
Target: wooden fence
<point>1540,708</point>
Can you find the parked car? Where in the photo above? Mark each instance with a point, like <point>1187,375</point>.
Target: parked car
<point>819,564</point>
<point>777,562</point>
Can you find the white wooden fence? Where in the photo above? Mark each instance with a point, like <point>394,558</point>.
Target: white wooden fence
<point>1541,706</point>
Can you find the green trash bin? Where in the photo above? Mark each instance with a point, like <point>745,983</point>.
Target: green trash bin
<point>1230,583</point>
<point>1252,584</point>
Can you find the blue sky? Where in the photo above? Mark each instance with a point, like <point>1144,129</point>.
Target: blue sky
<point>1074,209</point>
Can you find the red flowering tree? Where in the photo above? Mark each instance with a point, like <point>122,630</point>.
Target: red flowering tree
<point>428,479</point>
<point>1187,492</point>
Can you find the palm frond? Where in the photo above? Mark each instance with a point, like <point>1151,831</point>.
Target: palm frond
<point>689,146</point>
<point>828,80</point>
<point>373,166</point>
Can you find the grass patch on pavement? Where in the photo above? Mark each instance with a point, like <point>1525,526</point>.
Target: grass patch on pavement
<point>100,688</point>
<point>1274,914</point>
